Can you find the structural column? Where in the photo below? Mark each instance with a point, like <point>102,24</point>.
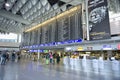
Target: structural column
<point>38,55</point>
<point>109,54</point>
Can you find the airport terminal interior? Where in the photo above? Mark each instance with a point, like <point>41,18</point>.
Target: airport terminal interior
<point>59,39</point>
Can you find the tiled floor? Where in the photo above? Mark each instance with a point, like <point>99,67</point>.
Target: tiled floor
<point>27,70</point>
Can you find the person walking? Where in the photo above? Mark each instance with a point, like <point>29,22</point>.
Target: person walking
<point>7,56</point>
<point>13,56</point>
<point>51,58</point>
<point>47,58</point>
<point>58,58</point>
<point>3,59</point>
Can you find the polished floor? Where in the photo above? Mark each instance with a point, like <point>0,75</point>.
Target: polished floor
<point>28,70</point>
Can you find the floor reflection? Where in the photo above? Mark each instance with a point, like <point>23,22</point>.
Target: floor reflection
<point>31,71</point>
<point>2,72</point>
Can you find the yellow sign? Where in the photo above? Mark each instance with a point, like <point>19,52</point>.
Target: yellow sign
<point>80,48</point>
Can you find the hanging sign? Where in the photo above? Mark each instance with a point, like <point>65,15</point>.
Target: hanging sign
<point>80,48</point>
<point>98,18</point>
<point>118,46</point>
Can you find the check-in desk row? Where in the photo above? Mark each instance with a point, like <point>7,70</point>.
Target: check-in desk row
<point>95,65</point>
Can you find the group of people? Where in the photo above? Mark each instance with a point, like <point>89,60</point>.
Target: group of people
<point>52,58</point>
<point>5,56</point>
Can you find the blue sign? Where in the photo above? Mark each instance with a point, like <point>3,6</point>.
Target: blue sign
<point>107,47</point>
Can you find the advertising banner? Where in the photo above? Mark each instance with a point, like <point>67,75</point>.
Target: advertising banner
<point>99,27</point>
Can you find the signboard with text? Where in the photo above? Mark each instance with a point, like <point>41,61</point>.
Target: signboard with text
<point>99,27</point>
<point>107,47</point>
<point>80,48</point>
<point>118,46</point>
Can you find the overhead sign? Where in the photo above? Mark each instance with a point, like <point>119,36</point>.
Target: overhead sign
<point>99,27</point>
<point>80,48</point>
<point>107,47</point>
<point>118,46</point>
<point>89,48</point>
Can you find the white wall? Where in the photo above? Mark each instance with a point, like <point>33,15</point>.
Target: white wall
<point>9,46</point>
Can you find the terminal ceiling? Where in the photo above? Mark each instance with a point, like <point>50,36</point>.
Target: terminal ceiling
<point>16,15</point>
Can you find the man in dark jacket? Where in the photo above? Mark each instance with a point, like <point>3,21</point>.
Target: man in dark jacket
<point>3,59</point>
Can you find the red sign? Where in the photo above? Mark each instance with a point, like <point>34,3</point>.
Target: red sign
<point>118,46</point>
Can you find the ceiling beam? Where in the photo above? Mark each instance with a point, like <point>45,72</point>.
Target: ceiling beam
<point>10,30</point>
<point>12,16</point>
<point>72,2</point>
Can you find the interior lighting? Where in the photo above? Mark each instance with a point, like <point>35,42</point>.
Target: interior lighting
<point>7,4</point>
<point>79,40</point>
<point>68,48</point>
<point>72,10</point>
<point>87,52</point>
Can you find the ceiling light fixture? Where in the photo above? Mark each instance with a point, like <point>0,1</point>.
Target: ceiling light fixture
<point>7,4</point>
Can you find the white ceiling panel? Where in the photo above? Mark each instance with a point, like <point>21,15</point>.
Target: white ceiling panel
<point>7,22</point>
<point>11,21</point>
<point>44,2</point>
<point>39,5</point>
<point>64,8</point>
<point>25,8</point>
<point>47,6</point>
<point>1,18</point>
<point>23,13</point>
<point>23,1</point>
<point>34,9</point>
<point>19,4</point>
<point>29,4</point>
<point>34,15</point>
<point>55,6</point>
<point>1,3</point>
<point>31,12</point>
<point>24,17</point>
<point>34,1</point>
<point>39,12</point>
<point>13,10</point>
<point>42,10</point>
<point>13,1</point>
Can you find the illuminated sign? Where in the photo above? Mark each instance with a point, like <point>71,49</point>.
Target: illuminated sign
<point>45,51</point>
<point>80,48</point>
<point>118,46</point>
<point>107,47</point>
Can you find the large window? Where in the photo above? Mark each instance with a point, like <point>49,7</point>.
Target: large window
<point>11,37</point>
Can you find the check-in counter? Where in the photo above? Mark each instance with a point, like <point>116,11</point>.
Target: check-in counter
<point>95,65</point>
